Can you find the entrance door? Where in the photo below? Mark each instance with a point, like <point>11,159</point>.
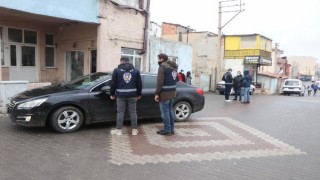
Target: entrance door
<point>74,65</point>
<point>93,64</point>
<point>23,63</point>
<point>13,69</point>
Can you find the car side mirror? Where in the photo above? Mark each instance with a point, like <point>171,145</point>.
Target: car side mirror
<point>106,89</point>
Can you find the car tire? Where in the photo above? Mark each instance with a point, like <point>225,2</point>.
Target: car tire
<point>66,119</point>
<point>221,92</point>
<point>182,111</point>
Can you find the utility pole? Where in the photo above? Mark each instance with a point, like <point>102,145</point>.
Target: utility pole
<point>232,8</point>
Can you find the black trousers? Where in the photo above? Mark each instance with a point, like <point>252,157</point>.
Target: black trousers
<point>227,92</point>
<point>237,92</point>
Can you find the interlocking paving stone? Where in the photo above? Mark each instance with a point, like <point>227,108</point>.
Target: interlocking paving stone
<point>213,138</point>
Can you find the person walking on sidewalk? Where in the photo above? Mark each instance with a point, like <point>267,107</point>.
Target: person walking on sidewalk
<point>246,83</point>
<point>166,92</point>
<point>126,88</point>
<point>309,90</point>
<point>189,78</point>
<point>237,81</point>
<point>181,76</point>
<point>227,78</point>
<point>315,88</point>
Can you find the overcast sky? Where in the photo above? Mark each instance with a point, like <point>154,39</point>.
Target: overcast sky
<point>293,24</point>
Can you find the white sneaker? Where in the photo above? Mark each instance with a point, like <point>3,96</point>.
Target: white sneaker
<point>228,100</point>
<point>134,132</point>
<point>116,132</point>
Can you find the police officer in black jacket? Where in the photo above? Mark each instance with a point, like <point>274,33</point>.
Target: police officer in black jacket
<point>227,78</point>
<point>126,86</point>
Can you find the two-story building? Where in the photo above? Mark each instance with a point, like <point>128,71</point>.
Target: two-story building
<point>247,52</point>
<point>56,40</point>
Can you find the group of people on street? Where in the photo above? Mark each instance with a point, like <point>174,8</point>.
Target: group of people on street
<point>126,88</point>
<point>183,78</point>
<point>313,87</point>
<point>240,84</point>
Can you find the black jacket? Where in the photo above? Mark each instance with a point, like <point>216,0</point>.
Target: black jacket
<point>126,81</point>
<point>237,81</point>
<point>227,78</point>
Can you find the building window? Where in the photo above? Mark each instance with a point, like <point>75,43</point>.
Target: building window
<point>133,55</point>
<point>131,3</point>
<point>248,42</point>
<point>28,56</point>
<point>15,35</point>
<point>13,55</point>
<point>50,51</point>
<point>1,46</point>
<point>30,37</point>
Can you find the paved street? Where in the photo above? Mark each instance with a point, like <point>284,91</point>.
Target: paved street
<point>273,137</point>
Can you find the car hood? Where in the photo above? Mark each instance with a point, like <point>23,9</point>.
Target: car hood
<point>40,92</point>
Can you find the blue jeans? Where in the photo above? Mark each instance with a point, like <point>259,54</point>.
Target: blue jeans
<point>167,115</point>
<point>246,94</point>
<point>121,109</point>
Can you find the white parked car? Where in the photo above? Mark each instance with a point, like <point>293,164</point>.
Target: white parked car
<point>292,86</point>
<point>221,88</point>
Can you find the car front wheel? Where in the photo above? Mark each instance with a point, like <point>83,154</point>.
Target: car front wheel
<point>66,119</point>
<point>182,111</point>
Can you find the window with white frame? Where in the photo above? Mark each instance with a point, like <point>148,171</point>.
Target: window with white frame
<point>49,51</point>
<point>133,55</point>
<point>1,47</point>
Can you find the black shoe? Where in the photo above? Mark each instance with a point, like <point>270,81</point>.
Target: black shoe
<point>234,99</point>
<point>163,132</point>
<point>172,132</point>
<point>244,102</point>
<point>248,102</point>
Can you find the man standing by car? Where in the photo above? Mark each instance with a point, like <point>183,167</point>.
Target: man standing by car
<point>166,92</point>
<point>246,83</point>
<point>237,86</point>
<point>227,78</point>
<point>126,85</point>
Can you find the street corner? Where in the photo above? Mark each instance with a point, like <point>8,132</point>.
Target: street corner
<point>201,139</point>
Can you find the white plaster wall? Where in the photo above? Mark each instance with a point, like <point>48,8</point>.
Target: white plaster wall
<point>203,57</point>
<point>181,50</point>
<point>235,65</point>
<point>118,28</point>
<point>269,84</point>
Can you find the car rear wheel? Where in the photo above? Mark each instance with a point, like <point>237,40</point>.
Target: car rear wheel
<point>182,111</point>
<point>66,119</point>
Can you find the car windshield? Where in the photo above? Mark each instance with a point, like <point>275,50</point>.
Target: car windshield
<point>86,81</point>
<point>292,83</point>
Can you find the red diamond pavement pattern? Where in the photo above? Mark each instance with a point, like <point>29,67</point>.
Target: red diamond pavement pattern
<point>212,138</point>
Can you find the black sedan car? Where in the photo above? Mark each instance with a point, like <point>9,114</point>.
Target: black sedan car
<point>86,100</point>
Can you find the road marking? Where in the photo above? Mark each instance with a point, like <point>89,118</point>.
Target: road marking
<point>212,138</point>
<point>311,101</point>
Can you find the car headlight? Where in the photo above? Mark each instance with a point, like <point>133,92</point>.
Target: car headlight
<point>31,104</point>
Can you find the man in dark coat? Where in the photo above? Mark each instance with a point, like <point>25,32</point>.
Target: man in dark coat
<point>227,78</point>
<point>246,84</point>
<point>237,81</point>
<point>126,88</point>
